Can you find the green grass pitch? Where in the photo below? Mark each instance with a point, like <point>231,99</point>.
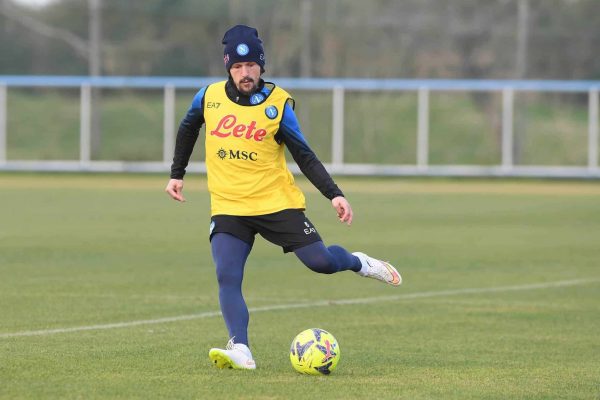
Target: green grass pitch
<point>81,254</point>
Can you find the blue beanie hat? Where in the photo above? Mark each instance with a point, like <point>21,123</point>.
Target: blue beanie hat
<point>242,44</point>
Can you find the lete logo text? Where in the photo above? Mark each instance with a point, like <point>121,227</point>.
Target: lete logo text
<point>227,127</point>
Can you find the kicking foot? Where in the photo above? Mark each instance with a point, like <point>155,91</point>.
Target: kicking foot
<point>377,269</point>
<point>235,355</point>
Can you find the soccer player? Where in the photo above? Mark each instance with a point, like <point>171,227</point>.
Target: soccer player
<point>248,122</point>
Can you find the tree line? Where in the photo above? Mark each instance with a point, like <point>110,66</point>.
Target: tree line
<point>493,39</point>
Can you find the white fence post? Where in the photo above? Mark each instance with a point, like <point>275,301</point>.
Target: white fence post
<point>507,127</point>
<point>169,123</point>
<point>337,142</point>
<point>423,128</point>
<point>3,123</point>
<point>593,129</point>
<point>85,115</point>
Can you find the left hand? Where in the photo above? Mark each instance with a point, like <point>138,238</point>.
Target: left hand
<point>344,211</point>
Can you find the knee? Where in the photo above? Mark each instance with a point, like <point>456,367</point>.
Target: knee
<point>229,276</point>
<point>318,258</point>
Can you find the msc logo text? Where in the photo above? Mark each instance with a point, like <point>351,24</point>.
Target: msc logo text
<point>237,155</point>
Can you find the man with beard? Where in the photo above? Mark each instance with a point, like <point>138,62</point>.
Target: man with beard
<point>248,123</point>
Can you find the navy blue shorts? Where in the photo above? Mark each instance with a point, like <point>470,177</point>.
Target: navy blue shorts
<point>289,228</point>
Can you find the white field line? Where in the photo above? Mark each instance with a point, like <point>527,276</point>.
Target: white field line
<point>364,300</point>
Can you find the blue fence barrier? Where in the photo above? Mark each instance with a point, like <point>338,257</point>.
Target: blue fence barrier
<point>339,87</point>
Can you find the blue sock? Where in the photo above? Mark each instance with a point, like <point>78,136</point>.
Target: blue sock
<point>327,260</point>
<point>230,254</point>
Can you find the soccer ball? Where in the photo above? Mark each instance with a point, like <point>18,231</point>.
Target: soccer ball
<point>314,352</point>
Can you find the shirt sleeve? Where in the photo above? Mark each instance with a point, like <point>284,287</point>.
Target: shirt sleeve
<point>189,130</point>
<point>290,134</point>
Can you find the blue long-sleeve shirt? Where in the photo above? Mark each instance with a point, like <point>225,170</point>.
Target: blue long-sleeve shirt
<point>289,134</point>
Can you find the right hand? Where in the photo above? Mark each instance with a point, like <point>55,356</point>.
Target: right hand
<point>175,189</point>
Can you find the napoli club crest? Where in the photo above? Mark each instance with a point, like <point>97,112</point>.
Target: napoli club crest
<point>257,98</point>
<point>271,112</point>
<point>242,49</point>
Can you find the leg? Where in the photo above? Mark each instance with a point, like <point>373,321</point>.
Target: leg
<point>230,254</point>
<point>327,260</point>
<point>332,259</point>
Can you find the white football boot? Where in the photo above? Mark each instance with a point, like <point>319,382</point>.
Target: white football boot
<point>377,269</point>
<point>235,355</point>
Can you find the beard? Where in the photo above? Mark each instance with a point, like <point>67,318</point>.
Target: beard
<point>244,84</point>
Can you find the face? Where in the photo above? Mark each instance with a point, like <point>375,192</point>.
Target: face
<point>246,76</point>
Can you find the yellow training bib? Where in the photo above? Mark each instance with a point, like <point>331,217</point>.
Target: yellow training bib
<point>246,167</point>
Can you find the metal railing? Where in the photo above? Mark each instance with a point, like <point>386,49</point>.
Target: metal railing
<point>338,87</point>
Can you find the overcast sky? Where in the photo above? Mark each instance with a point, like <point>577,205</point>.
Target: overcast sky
<point>34,3</point>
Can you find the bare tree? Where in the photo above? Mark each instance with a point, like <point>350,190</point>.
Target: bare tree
<point>79,45</point>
